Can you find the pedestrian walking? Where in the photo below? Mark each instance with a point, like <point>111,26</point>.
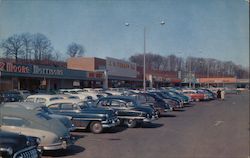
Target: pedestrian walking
<point>222,95</point>
<point>219,94</point>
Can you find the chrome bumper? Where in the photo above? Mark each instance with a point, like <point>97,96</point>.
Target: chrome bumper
<point>64,144</point>
<point>114,123</point>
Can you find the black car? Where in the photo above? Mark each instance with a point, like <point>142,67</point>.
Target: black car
<point>130,112</point>
<point>146,99</point>
<point>18,146</point>
<point>11,96</point>
<point>84,115</point>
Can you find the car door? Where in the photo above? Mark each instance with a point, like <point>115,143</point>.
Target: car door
<point>79,118</point>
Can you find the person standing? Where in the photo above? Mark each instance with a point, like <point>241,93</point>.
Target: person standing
<point>222,95</point>
<point>219,94</point>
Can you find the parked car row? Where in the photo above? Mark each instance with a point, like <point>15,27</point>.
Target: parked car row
<point>48,120</point>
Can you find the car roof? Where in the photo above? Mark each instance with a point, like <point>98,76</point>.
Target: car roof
<point>64,101</point>
<point>26,105</point>
<point>119,97</point>
<point>47,96</point>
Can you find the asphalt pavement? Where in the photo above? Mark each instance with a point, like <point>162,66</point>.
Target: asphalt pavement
<point>213,129</point>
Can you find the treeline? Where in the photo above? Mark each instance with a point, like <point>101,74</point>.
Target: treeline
<point>36,47</point>
<point>201,67</point>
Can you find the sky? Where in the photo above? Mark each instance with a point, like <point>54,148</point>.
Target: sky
<point>204,28</point>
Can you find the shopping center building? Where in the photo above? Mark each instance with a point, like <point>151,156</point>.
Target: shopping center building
<point>92,72</point>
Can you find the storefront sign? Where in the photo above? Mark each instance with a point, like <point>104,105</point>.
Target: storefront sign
<point>47,71</point>
<point>217,80</point>
<point>16,68</point>
<point>117,67</point>
<point>95,75</point>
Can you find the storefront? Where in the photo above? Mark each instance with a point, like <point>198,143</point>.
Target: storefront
<point>230,82</point>
<point>33,77</point>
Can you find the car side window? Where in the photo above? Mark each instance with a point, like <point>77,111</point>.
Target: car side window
<point>117,103</point>
<point>40,100</point>
<point>67,106</point>
<point>54,107</point>
<point>15,121</point>
<point>103,103</point>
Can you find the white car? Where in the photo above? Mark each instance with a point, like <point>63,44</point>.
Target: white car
<point>42,98</point>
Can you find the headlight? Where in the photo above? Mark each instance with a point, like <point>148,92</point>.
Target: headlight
<point>107,115</point>
<point>38,141</point>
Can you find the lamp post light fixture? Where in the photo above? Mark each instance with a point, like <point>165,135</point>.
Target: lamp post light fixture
<point>144,53</point>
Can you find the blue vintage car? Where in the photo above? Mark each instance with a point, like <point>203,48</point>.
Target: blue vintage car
<point>85,116</point>
<point>130,112</point>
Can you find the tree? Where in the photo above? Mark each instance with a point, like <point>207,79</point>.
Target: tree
<point>75,49</point>
<point>12,47</point>
<point>26,39</point>
<point>42,46</point>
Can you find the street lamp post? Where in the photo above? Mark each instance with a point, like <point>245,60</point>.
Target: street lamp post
<point>144,54</point>
<point>144,59</point>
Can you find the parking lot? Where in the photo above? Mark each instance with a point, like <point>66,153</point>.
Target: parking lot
<point>214,129</point>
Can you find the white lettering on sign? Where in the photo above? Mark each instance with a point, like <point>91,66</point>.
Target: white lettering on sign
<point>46,71</point>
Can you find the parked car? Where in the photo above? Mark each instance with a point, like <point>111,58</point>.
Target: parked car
<point>186,99</point>
<point>52,133</point>
<point>146,99</point>
<point>85,116</point>
<point>195,96</point>
<point>130,112</point>
<point>66,121</point>
<point>18,146</point>
<point>11,96</point>
<point>42,98</point>
<point>24,93</point>
<point>173,103</point>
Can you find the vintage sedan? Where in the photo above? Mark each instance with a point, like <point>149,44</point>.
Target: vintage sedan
<point>195,95</point>
<point>85,116</point>
<point>42,98</point>
<point>52,133</point>
<point>11,96</point>
<point>130,112</point>
<point>66,121</point>
<point>173,103</point>
<point>18,146</point>
<point>146,99</point>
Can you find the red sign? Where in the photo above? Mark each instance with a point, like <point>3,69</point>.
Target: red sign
<point>95,74</point>
<point>10,67</point>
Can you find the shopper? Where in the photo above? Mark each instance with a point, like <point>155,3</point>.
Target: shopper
<point>222,95</point>
<point>219,94</point>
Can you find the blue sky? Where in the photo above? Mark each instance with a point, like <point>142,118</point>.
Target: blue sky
<point>205,28</point>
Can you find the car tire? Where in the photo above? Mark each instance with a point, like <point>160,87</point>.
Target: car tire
<point>96,127</point>
<point>131,123</point>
